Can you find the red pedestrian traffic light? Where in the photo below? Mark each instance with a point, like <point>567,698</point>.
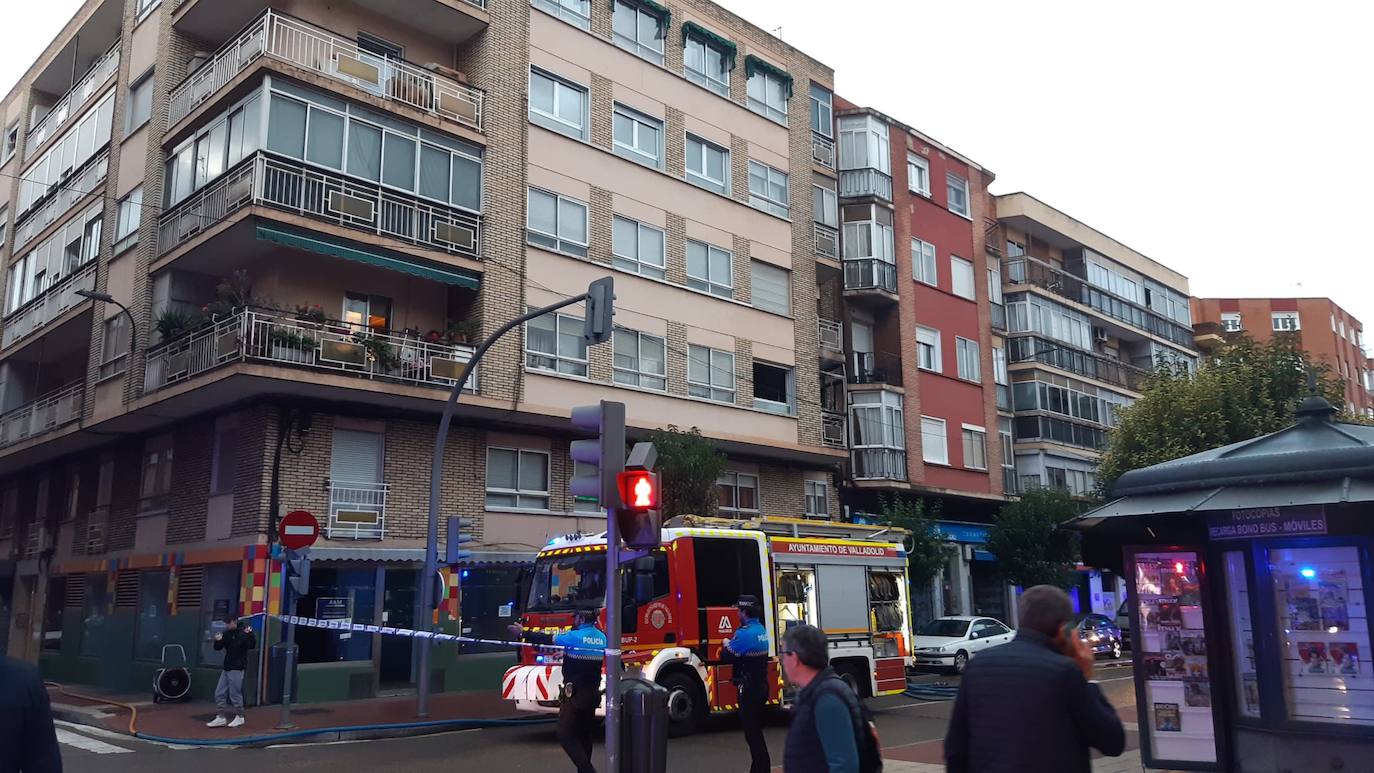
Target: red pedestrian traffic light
<point>638,490</point>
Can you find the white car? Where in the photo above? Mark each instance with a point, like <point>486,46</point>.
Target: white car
<point>948,642</point>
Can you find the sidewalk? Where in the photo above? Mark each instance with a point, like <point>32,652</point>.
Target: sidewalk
<point>1126,763</point>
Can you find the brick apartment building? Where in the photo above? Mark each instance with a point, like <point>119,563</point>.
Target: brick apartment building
<point>1305,318</point>
<point>311,212</point>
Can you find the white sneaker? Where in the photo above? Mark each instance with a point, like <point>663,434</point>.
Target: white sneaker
<point>218,721</point>
<point>237,721</point>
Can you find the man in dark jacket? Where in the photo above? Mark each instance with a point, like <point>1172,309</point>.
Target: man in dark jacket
<point>28,740</point>
<point>823,737</point>
<point>1031,705</point>
<point>236,642</point>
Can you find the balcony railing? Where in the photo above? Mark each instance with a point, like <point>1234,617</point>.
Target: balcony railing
<point>95,529</point>
<point>265,336</point>
<point>328,196</point>
<point>49,306</point>
<point>832,335</point>
<point>875,368</point>
<point>356,510</point>
<point>823,150</point>
<point>72,102</point>
<point>870,274</point>
<point>1039,274</point>
<point>878,463</point>
<point>305,45</point>
<point>857,183</point>
<point>55,409</point>
<point>1064,357</point>
<point>64,197</point>
<point>832,430</point>
<point>827,241</point>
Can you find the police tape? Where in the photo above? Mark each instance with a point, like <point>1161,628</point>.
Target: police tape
<point>348,626</point>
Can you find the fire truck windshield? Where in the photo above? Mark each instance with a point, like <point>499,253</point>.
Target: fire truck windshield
<point>568,582</point>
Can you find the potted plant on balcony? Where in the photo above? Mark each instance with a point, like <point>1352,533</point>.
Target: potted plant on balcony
<point>174,322</point>
<point>380,352</point>
<point>311,313</point>
<point>289,345</point>
<point>461,331</point>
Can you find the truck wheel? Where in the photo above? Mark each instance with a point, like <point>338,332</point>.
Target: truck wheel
<point>852,674</point>
<point>686,703</point>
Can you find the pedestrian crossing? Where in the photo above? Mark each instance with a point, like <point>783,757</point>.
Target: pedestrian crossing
<point>81,740</point>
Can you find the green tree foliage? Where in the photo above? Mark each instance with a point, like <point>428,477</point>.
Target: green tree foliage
<point>927,549</point>
<point>689,465</point>
<point>1030,547</point>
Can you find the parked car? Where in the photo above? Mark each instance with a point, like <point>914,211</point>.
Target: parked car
<point>948,642</point>
<point>1101,634</point>
<point>1123,621</point>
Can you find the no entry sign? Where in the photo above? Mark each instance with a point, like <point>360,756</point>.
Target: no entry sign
<point>298,530</point>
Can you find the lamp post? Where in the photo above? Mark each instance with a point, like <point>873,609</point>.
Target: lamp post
<point>107,298</point>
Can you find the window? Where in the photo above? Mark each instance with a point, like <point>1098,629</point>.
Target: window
<point>999,366</point>
<point>9,511</point>
<point>877,435</point>
<point>738,492</point>
<point>95,607</point>
<point>219,603</point>
<point>637,136</point>
<point>961,273</point>
<point>4,224</point>
<point>923,262</point>
<point>67,154</point>
<point>817,495</point>
<point>864,144</point>
<point>584,504</point>
<point>114,346</point>
<point>768,189</point>
<point>637,29</point>
<point>574,12</point>
<point>970,365</point>
<point>1015,249</point>
<point>1285,321</point>
<point>554,342</point>
<point>957,189</point>
<point>918,174</point>
<point>706,63</point>
<point>934,447</point>
<point>640,359</point>
<point>129,218</point>
<point>140,103</point>
<point>770,287</point>
<point>708,165</point>
<point>359,587</point>
<point>225,460</point>
<point>975,447</point>
<point>768,93</point>
<point>558,104</point>
<point>824,206</point>
<point>711,374</point>
<point>518,478</point>
<point>153,610</point>
<point>55,611</point>
<point>557,223</point>
<point>11,142</point>
<point>710,269</point>
<point>1117,282</point>
<point>928,349</point>
<point>144,8</point>
<point>774,388</point>
<point>366,312</point>
<point>995,283</point>
<point>637,247</point>
<point>157,474</point>
<point>1342,333</point>
<point>822,111</point>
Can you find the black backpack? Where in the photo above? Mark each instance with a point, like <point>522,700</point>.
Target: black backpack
<point>865,729</point>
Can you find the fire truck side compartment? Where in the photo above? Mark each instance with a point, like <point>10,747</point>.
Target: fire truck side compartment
<point>843,594</point>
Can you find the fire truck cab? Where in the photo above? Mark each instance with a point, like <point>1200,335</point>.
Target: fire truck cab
<point>847,579</point>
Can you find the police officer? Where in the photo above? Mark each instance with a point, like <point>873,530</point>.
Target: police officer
<point>584,648</point>
<point>747,651</point>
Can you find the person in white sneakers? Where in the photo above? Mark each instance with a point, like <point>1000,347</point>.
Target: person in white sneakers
<point>236,642</point>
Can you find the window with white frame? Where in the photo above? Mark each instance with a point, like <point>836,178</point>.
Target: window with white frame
<point>143,8</point>
<point>710,269</point>
<point>956,189</point>
<point>637,247</point>
<point>130,216</point>
<point>774,388</point>
<point>517,478</point>
<point>934,443</point>
<point>1333,323</point>
<point>1342,333</point>
<point>928,349</point>
<point>114,346</point>
<point>558,104</point>
<point>864,144</point>
<point>640,359</point>
<point>822,111</point>
<point>868,233</point>
<point>639,30</point>
<point>923,262</point>
<point>995,283</point>
<point>768,93</point>
<point>975,447</point>
<point>817,496</point>
<point>637,136</point>
<point>999,366</point>
<point>770,287</point>
<point>708,165</point>
<point>961,277</point>
<point>738,492</point>
<point>768,189</point>
<point>554,342</point>
<point>970,364</point>
<point>574,12</point>
<point>918,174</point>
<point>711,373</point>
<point>1230,321</point>
<point>4,224</point>
<point>1285,321</point>
<point>706,63</point>
<point>11,142</point>
<point>140,107</point>
<point>825,206</point>
<point>557,223</point>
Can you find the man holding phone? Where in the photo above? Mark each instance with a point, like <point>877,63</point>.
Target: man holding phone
<point>236,641</point>
<point>1032,704</point>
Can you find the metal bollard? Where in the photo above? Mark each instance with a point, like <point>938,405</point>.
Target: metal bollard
<point>644,727</point>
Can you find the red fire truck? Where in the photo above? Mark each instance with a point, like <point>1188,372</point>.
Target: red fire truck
<point>847,579</point>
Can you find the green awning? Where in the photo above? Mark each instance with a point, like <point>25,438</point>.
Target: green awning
<point>691,29</point>
<point>753,64</point>
<point>338,248</point>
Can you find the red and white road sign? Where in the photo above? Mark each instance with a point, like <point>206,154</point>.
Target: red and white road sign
<point>298,530</point>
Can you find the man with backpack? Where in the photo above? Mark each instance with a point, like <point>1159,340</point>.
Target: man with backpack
<point>831,730</point>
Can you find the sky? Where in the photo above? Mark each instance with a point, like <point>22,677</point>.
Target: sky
<point>1228,140</point>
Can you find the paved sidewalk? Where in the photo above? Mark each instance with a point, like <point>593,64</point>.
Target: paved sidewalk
<point>1126,763</point>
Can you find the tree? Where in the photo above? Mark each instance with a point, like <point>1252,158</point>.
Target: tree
<point>689,466</point>
<point>1030,547</point>
<point>1244,390</point>
<point>927,549</point>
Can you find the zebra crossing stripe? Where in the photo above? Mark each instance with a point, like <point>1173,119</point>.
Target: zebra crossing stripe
<point>91,745</point>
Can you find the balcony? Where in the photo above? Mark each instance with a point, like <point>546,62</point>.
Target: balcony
<point>827,241</point>
<point>356,510</point>
<point>330,346</point>
<point>823,150</point>
<point>875,368</point>
<point>878,464</point>
<point>1065,357</point>
<point>863,183</point>
<point>71,103</point>
<point>290,186</point>
<point>64,197</point>
<point>293,41</point>
<point>55,409</point>
<point>53,303</point>
<point>831,337</point>
<point>870,275</point>
<point>1209,335</point>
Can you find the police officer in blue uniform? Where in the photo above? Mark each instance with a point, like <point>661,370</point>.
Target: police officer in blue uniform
<point>584,648</point>
<point>747,651</point>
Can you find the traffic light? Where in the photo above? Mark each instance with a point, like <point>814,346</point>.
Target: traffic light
<point>298,571</point>
<point>639,516</point>
<point>600,309</point>
<point>457,537</point>
<point>604,454</point>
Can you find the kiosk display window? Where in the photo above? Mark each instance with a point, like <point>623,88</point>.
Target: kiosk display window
<point>1245,670</point>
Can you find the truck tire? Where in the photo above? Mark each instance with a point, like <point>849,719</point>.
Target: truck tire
<point>686,703</point>
<point>852,673</point>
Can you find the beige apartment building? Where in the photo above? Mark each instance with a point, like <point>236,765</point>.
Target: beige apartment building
<point>312,212</point>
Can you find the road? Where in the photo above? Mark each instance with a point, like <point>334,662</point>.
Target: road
<point>902,722</point>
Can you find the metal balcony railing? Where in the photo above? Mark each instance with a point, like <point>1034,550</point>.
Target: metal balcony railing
<point>832,430</point>
<point>1037,273</point>
<point>55,409</point>
<point>328,196</point>
<point>823,150</point>
<point>827,241</point>
<point>356,510</point>
<point>63,198</point>
<point>832,335</point>
<point>870,274</point>
<point>49,305</point>
<point>857,183</point>
<point>875,368</point>
<point>71,103</point>
<point>878,463</point>
<point>274,337</point>
<point>1064,357</point>
<point>305,45</point>
<point>95,529</point>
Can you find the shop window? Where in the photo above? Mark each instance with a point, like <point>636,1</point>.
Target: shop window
<point>153,609</point>
<point>54,612</point>
<point>1242,634</point>
<point>337,593</point>
<point>94,609</point>
<point>219,603</point>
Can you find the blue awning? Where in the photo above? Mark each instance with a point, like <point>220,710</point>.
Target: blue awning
<point>339,248</point>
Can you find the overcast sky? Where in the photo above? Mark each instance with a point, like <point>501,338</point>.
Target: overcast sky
<point>1229,140</point>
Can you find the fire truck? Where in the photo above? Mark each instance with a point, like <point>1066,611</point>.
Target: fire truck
<point>847,579</point>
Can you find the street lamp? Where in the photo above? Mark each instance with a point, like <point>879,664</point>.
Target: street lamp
<point>107,298</point>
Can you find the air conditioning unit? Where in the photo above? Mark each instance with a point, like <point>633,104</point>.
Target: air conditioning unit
<point>1099,335</point>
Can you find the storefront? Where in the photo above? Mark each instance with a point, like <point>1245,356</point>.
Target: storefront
<point>970,584</point>
<point>1248,574</point>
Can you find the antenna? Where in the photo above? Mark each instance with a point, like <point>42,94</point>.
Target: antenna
<point>777,33</point>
